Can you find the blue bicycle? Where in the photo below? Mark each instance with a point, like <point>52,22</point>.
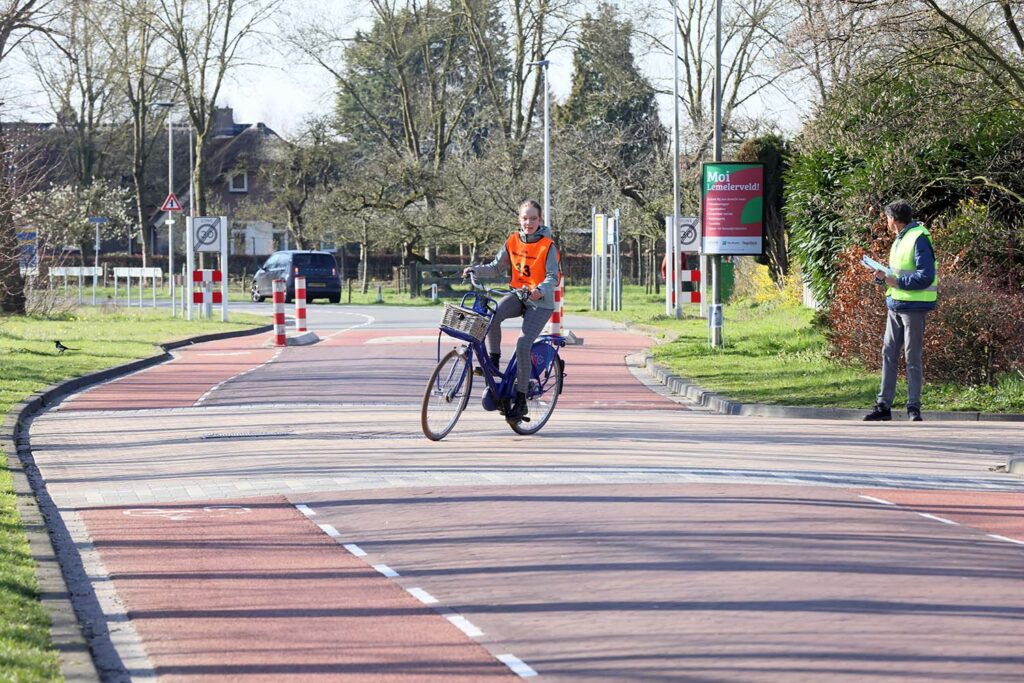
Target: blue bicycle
<point>451,383</point>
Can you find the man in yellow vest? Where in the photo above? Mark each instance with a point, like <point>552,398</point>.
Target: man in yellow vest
<point>912,290</point>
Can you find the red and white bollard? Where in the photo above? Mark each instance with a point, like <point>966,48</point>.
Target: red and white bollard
<point>689,297</point>
<point>279,334</point>
<point>554,325</point>
<point>207,295</point>
<point>300,304</point>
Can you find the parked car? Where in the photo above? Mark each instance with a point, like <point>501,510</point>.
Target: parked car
<point>318,267</point>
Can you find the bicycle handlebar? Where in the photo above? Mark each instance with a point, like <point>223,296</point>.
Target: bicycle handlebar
<point>523,292</point>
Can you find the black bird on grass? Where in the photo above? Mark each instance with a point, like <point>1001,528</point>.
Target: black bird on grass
<point>61,348</point>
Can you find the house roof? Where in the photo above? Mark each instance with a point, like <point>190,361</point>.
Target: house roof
<point>232,146</point>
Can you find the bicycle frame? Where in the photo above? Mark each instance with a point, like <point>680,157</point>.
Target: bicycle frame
<point>501,385</point>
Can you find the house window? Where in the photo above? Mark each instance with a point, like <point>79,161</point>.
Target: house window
<point>240,182</point>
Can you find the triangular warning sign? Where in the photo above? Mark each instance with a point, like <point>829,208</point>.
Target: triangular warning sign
<point>171,203</point>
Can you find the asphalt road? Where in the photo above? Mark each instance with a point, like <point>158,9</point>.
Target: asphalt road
<point>249,514</point>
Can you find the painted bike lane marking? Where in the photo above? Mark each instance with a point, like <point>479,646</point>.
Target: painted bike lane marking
<point>471,630</point>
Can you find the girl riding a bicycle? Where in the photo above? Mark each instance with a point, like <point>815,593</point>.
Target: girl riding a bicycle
<point>531,256</point>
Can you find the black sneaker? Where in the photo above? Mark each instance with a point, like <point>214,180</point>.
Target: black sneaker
<point>881,413</point>
<point>519,409</point>
<point>914,414</point>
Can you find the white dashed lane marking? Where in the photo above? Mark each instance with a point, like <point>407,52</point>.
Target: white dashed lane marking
<point>465,625</point>
<point>518,666</point>
<point>423,596</point>
<point>386,571</point>
<point>877,500</point>
<point>1005,538</point>
<point>936,518</point>
<point>471,630</point>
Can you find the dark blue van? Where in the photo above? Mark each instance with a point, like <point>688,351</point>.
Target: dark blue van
<point>318,267</point>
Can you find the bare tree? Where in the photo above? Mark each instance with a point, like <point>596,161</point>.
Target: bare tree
<point>751,67</point>
<point>827,39</point>
<point>19,19</point>
<point>207,38</point>
<point>984,35</point>
<point>536,29</point>
<point>75,71</point>
<point>140,62</point>
<point>497,93</point>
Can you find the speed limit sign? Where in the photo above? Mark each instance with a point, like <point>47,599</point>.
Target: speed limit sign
<point>207,233</point>
<point>689,234</point>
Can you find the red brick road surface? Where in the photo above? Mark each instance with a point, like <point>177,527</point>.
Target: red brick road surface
<point>250,590</point>
<point>180,382</point>
<point>705,582</point>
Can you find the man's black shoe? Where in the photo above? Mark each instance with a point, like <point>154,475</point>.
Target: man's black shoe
<point>914,414</point>
<point>881,413</point>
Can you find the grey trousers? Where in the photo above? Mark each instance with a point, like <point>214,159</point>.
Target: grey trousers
<point>534,320</point>
<point>904,331</point>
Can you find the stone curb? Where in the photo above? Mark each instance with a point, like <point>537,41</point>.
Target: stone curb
<point>80,644</point>
<point>726,406</point>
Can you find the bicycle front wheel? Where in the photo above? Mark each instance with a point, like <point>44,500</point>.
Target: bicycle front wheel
<point>446,395</point>
<point>542,405</point>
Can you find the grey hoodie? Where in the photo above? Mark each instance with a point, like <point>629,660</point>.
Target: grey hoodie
<point>501,265</point>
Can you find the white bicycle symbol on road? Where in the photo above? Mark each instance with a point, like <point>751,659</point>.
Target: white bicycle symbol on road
<point>185,514</point>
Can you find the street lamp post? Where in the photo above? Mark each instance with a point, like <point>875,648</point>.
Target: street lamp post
<point>544,63</point>
<point>716,261</point>
<point>672,304</point>
<point>170,190</point>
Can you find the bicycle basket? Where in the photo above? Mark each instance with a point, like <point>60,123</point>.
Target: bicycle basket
<point>464,320</point>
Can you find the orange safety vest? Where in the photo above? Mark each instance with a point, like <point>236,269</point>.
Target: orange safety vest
<point>529,261</point>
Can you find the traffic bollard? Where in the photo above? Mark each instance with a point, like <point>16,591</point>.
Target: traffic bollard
<point>300,303</point>
<point>279,334</point>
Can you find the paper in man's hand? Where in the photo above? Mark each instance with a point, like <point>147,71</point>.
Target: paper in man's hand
<point>872,264</point>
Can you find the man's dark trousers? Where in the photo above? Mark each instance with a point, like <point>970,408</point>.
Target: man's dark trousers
<point>903,330</point>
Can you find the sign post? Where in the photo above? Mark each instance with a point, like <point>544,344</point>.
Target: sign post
<point>97,220</point>
<point>170,205</point>
<point>732,210</point>
<point>208,234</point>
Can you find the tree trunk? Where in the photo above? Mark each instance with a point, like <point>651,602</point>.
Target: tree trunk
<point>12,285</point>
<point>364,261</point>
<point>297,229</point>
<point>654,269</point>
<point>198,171</point>
<point>638,266</point>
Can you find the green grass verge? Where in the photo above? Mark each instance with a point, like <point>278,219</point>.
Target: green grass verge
<point>774,354</point>
<point>28,363</point>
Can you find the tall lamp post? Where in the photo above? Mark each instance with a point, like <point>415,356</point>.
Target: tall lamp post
<point>672,304</point>
<point>544,63</point>
<point>168,106</point>
<point>716,260</point>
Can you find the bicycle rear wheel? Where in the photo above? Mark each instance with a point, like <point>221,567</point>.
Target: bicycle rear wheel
<point>542,405</point>
<point>446,395</point>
